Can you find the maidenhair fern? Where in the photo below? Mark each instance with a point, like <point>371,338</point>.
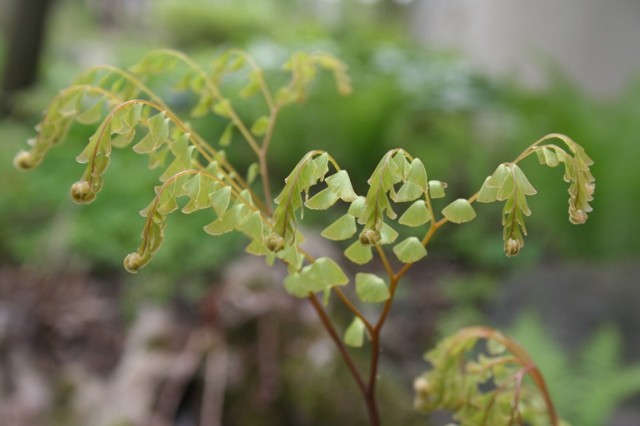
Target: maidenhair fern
<point>509,184</point>
<point>196,175</point>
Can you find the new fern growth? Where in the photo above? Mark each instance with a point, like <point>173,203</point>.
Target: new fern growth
<point>196,175</point>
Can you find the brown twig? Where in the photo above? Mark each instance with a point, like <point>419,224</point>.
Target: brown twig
<point>372,409</point>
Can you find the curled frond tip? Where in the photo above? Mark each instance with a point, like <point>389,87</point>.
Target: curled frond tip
<point>81,192</point>
<point>133,262</point>
<point>24,160</point>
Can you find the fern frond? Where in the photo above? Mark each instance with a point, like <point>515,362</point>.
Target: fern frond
<point>204,189</point>
<point>309,171</point>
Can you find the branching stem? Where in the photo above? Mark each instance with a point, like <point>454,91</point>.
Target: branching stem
<point>394,278</point>
<point>369,398</point>
<point>343,297</point>
<point>369,390</point>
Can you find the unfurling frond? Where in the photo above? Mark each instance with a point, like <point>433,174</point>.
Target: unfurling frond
<point>509,184</point>
<point>576,171</point>
<point>310,171</point>
<point>484,387</point>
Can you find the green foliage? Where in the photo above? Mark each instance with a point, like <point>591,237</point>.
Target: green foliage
<point>509,184</point>
<point>371,288</point>
<point>392,170</point>
<point>359,253</point>
<point>308,172</point>
<point>319,276</point>
<point>197,176</point>
<point>197,170</point>
<point>564,107</point>
<point>341,229</point>
<point>410,250</point>
<point>460,211</point>
<point>354,335</point>
<point>436,188</point>
<point>416,215</point>
<point>203,22</point>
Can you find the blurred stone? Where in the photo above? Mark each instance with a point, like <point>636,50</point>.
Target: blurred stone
<point>572,300</point>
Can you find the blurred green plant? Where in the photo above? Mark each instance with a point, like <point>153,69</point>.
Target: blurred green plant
<point>467,298</point>
<point>205,22</point>
<point>198,176</point>
<point>589,385</point>
<point>484,387</point>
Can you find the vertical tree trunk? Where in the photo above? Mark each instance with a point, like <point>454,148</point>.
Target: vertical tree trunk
<point>25,30</point>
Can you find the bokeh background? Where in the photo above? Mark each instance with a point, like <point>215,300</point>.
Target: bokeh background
<point>206,335</point>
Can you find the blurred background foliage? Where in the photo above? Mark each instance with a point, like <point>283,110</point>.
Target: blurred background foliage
<point>432,102</point>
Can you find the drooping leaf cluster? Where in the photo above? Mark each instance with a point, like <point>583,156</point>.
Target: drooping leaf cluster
<point>129,113</point>
<point>576,172</point>
<point>196,174</point>
<point>483,378</point>
<point>398,178</point>
<point>509,184</point>
<point>311,170</point>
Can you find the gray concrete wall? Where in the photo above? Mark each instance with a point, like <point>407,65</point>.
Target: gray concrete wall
<point>597,42</point>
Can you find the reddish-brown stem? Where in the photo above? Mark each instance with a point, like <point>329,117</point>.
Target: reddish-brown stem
<point>517,380</point>
<point>385,260</point>
<point>394,278</point>
<point>343,297</point>
<point>326,322</point>
<point>375,345</point>
<point>354,310</point>
<point>521,354</point>
<point>372,409</point>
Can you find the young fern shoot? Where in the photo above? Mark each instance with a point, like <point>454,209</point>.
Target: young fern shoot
<point>399,200</point>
